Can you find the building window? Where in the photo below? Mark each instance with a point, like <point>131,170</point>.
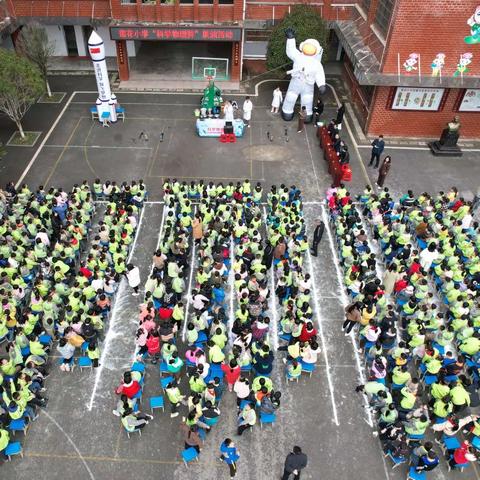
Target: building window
<point>225,2</point>
<point>366,5</point>
<point>384,14</point>
<point>149,2</point>
<point>205,2</point>
<point>128,2</point>
<point>186,2</point>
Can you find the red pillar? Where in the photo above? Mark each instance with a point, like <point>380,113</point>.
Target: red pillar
<point>236,60</point>
<point>122,60</point>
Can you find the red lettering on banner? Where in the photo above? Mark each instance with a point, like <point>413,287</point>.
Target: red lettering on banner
<point>159,33</point>
<point>122,33</point>
<point>168,33</point>
<point>221,34</point>
<point>205,34</point>
<point>229,35</point>
<point>144,33</point>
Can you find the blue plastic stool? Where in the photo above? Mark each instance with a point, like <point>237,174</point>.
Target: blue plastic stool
<point>476,442</point>
<point>165,381</point>
<point>156,402</point>
<point>45,339</point>
<point>450,443</point>
<point>243,403</point>
<point>189,455</point>
<point>18,425</point>
<point>84,362</point>
<point>396,460</point>
<point>163,367</point>
<point>13,448</point>
<point>308,368</point>
<point>414,475</point>
<point>138,367</point>
<point>415,437</point>
<point>267,418</point>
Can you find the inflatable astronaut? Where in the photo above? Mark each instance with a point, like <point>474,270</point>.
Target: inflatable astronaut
<point>307,70</point>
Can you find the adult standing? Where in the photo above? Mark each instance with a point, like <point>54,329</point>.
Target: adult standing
<point>302,115</point>
<point>378,145</point>
<point>277,100</point>
<point>295,462</point>
<point>197,228</point>
<point>228,111</point>
<point>229,455</point>
<point>384,169</point>
<point>317,236</point>
<point>133,277</point>
<point>247,111</point>
<point>340,114</point>
<point>318,110</point>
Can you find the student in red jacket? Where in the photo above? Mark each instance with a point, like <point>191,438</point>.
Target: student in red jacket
<point>129,387</point>
<point>153,345</point>
<point>462,455</point>
<point>232,373</point>
<point>307,332</point>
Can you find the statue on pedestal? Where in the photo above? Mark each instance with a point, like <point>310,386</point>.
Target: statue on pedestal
<point>447,145</point>
<point>451,133</point>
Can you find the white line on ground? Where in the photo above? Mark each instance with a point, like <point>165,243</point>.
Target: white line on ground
<point>47,136</point>
<point>322,339</point>
<point>344,300</point>
<point>72,443</point>
<point>189,291</point>
<point>110,334</point>
<point>273,298</point>
<point>113,147</point>
<point>231,279</point>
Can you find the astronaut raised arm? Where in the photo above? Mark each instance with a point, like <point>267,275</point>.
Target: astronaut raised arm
<point>320,81</point>
<point>292,52</point>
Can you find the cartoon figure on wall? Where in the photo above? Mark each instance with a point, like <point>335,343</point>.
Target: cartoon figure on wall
<point>474,22</point>
<point>437,64</point>
<point>410,63</point>
<point>464,61</point>
<point>306,72</point>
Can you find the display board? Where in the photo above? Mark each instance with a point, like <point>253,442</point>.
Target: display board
<point>470,101</point>
<point>412,98</point>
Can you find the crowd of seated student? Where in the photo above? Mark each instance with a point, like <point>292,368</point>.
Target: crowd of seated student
<point>418,320</point>
<point>230,267</point>
<point>48,292</point>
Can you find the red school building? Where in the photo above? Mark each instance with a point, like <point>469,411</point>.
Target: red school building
<point>411,66</point>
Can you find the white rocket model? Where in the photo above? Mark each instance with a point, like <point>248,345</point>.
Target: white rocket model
<point>106,102</point>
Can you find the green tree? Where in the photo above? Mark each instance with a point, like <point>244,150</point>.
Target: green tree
<point>307,23</point>
<point>33,43</point>
<point>21,84</point>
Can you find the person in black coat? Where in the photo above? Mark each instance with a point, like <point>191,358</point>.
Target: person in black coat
<point>340,114</point>
<point>317,236</point>
<point>295,462</point>
<point>268,255</point>
<point>318,110</point>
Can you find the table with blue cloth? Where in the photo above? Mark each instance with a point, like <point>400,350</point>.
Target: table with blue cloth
<point>213,127</point>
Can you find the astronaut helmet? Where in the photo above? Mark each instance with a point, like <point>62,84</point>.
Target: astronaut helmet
<point>311,47</point>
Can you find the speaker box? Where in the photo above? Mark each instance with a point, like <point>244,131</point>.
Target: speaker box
<point>228,128</point>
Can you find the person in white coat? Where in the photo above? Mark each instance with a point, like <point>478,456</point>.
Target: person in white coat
<point>277,100</point>
<point>228,111</point>
<point>133,277</point>
<point>247,111</point>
